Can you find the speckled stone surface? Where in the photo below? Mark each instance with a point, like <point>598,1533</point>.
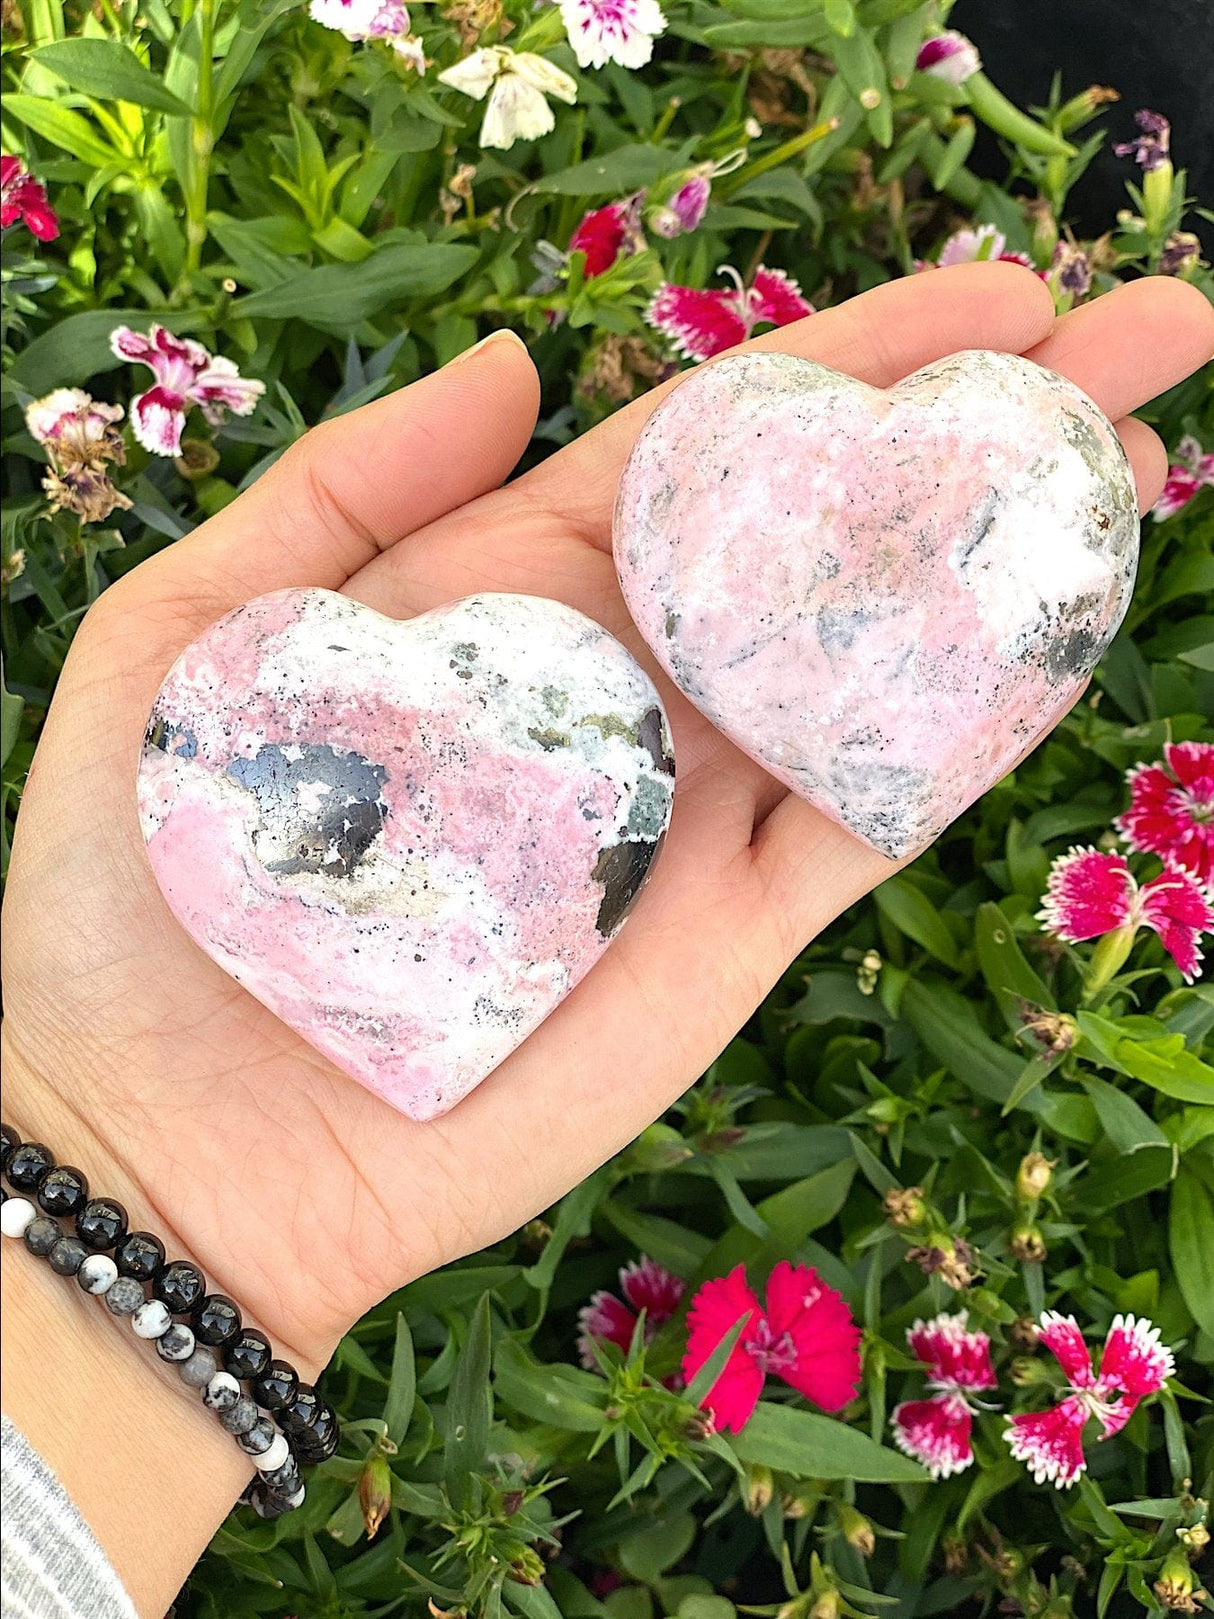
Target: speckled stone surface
<point>409,840</point>
<point>883,597</point>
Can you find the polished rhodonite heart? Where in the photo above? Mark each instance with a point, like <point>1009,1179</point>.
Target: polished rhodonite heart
<point>409,840</point>
<point>883,597</point>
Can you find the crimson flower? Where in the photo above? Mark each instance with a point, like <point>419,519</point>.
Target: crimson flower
<point>806,1336</point>
<point>1091,893</point>
<point>1188,475</point>
<point>23,198</point>
<point>936,1431</point>
<point>609,233</point>
<point>186,374</point>
<point>1133,1364</point>
<point>701,322</point>
<point>646,1286</point>
<point>1171,811</point>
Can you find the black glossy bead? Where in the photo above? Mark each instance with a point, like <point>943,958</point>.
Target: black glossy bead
<point>27,1164</point>
<point>41,1235</point>
<point>67,1256</point>
<point>63,1192</point>
<point>101,1223</point>
<point>180,1285</point>
<point>298,1417</point>
<point>248,1355</point>
<point>276,1386</point>
<point>320,1439</point>
<point>9,1140</point>
<point>140,1254</point>
<point>216,1320</point>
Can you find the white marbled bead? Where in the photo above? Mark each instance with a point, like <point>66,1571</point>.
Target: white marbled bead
<point>15,1214</point>
<point>151,1319</point>
<point>97,1274</point>
<point>274,1457</point>
<point>221,1393</point>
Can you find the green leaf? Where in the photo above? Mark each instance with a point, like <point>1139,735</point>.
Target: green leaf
<point>672,1245</point>
<point>63,127</point>
<point>1002,961</point>
<point>339,297</point>
<point>573,1220</point>
<point>111,71</point>
<point>1191,1242</point>
<point>646,1555</point>
<point>948,1026</point>
<point>557,1395</point>
<point>794,1212</point>
<point>1163,1063</point>
<point>469,1404</point>
<point>811,1446</point>
<point>1122,1179</point>
<point>626,169</point>
<point>1121,1118</point>
<point>11,709</point>
<point>705,1379</point>
<point>912,913</point>
<point>402,1385</point>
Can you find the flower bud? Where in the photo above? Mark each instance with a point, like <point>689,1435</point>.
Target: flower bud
<point>1109,956</point>
<point>375,1492</point>
<point>868,972</point>
<point>526,1566</point>
<point>1196,1539</point>
<point>826,1606</point>
<point>1026,1372</point>
<point>1034,1176</point>
<point>949,56</point>
<point>658,1147</point>
<point>1181,255</point>
<point>1177,1587</point>
<point>955,1552</point>
<point>856,1530</point>
<point>1028,1245</point>
<point>904,1207</point>
<point>197,460</point>
<point>1023,1334</point>
<point>760,1488</point>
<point>1085,105</point>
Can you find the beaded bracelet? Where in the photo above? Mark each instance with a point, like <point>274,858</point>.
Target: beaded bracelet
<point>307,1429</point>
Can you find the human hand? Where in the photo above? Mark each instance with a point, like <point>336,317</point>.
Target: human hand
<point>135,1056</point>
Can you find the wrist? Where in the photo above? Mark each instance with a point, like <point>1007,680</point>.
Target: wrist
<point>145,1463</point>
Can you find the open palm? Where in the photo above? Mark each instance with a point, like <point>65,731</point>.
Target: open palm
<point>300,1192</point>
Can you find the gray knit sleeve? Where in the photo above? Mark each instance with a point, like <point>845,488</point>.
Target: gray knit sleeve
<point>51,1566</point>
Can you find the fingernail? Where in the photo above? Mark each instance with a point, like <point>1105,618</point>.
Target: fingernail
<point>502,335</point>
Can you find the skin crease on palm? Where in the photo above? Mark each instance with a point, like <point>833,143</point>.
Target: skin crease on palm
<point>135,1056</point>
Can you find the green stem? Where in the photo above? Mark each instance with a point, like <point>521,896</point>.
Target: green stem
<point>202,139</point>
<point>778,156</point>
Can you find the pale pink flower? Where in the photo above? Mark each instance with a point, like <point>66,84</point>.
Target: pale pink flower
<point>685,210</point>
<point>76,427</point>
<point>1091,893</point>
<point>1133,1365</point>
<point>1189,474</point>
<point>982,244</point>
<point>701,322</point>
<point>602,31</point>
<point>805,1336</point>
<point>646,1286</point>
<point>936,1431</point>
<point>186,374</point>
<point>1171,811</point>
<point>949,56</point>
<point>361,19</point>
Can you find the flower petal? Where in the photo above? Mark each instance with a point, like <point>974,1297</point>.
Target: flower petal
<point>949,56</point>
<point>776,297</point>
<point>955,1357</point>
<point>1061,1336</point>
<point>1051,1442</point>
<point>1089,893</point>
<point>475,73</point>
<point>715,1308</point>
<point>158,418</point>
<point>824,1336</point>
<point>542,75</point>
<point>1174,818</point>
<point>605,1319</point>
<point>935,1432</point>
<point>516,111</point>
<point>602,31</point>
<point>221,387</point>
<point>1133,1359</point>
<point>968,246</point>
<point>651,1287</point>
<point>1175,907</point>
<point>698,323</point>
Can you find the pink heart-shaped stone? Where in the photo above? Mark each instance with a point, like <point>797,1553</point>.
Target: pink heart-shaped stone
<point>883,597</point>
<point>409,840</point>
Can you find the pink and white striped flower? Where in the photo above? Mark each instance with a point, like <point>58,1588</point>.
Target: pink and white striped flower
<point>1091,893</point>
<point>186,374</point>
<point>602,31</point>
<point>703,322</point>
<point>1133,1365</point>
<point>361,19</point>
<point>686,208</point>
<point>646,1286</point>
<point>937,1431</point>
<point>1188,475</point>
<point>1171,811</point>
<point>980,245</point>
<point>949,56</point>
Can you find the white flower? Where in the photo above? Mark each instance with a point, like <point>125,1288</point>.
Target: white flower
<point>517,84</point>
<point>361,19</point>
<point>602,31</point>
<point>409,48</point>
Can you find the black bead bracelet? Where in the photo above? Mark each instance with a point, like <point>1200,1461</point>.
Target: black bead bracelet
<point>278,1421</point>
